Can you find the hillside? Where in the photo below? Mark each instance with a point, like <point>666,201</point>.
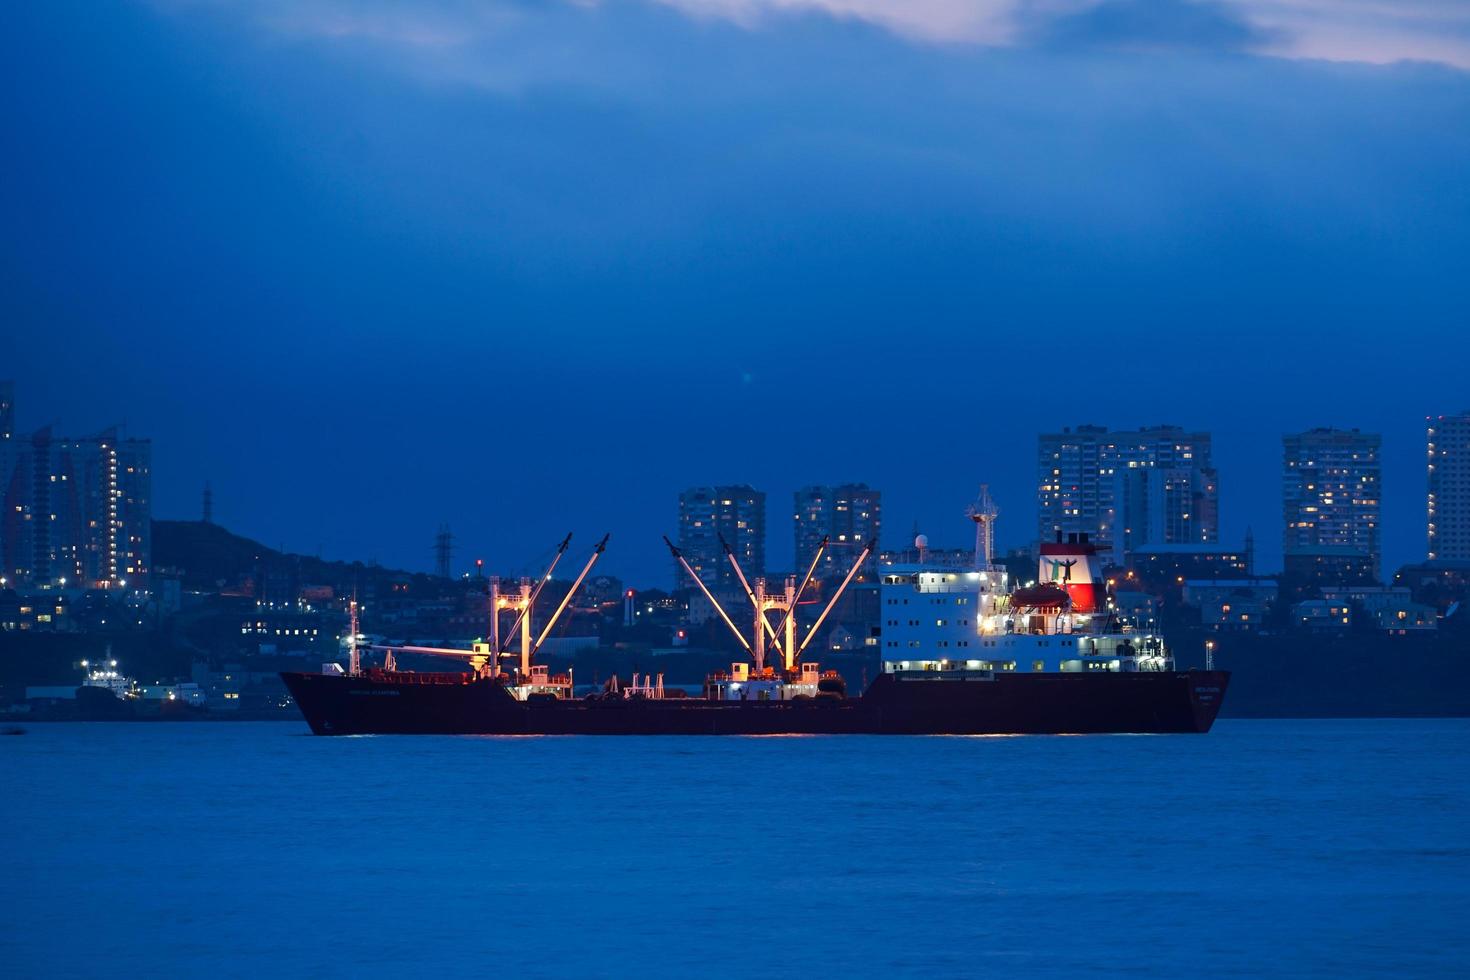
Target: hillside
<point>207,557</point>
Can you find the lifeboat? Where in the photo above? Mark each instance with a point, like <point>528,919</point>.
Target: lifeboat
<point>1047,595</point>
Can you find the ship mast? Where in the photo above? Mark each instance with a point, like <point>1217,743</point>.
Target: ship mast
<point>494,600</point>
<point>354,655</point>
<point>984,512</point>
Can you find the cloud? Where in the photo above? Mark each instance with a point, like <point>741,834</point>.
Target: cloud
<point>962,21</point>
<point>1340,30</point>
<point>1155,24</point>
<point>599,127</point>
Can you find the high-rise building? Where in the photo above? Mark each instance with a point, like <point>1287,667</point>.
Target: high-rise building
<point>1127,489</point>
<point>849,516</point>
<point>9,460</point>
<point>1449,486</point>
<point>7,410</point>
<point>76,511</point>
<point>131,469</point>
<point>705,514</point>
<point>1331,481</point>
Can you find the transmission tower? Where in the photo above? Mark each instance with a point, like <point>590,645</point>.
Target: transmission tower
<point>444,551</point>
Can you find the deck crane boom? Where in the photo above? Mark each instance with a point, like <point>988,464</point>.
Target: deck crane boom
<point>851,572</point>
<point>761,621</point>
<point>679,557</point>
<point>806,580</point>
<point>566,600</point>
<point>531,600</point>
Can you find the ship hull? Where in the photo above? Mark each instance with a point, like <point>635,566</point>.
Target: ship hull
<point>1002,704</point>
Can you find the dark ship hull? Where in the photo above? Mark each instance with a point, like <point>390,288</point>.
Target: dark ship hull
<point>895,704</point>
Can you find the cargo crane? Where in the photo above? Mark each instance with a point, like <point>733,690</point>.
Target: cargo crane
<point>484,657</point>
<point>782,637</point>
<point>523,603</point>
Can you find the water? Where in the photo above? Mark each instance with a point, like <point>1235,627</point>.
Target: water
<point>1279,847</point>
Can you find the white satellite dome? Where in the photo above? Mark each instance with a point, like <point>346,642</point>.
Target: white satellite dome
<point>922,541</point>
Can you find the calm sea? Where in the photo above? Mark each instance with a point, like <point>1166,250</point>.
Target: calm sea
<point>1333,848</point>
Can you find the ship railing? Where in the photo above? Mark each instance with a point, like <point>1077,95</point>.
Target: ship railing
<point>417,677</point>
<point>645,686</point>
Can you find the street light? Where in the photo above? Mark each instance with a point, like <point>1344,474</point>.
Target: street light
<point>1209,655</point>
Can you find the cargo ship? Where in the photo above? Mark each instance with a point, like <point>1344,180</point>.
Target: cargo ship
<point>962,653</point>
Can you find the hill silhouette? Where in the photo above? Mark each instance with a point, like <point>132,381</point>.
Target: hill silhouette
<point>207,557</point>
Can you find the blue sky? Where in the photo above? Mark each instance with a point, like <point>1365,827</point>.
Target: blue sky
<point>525,267</point>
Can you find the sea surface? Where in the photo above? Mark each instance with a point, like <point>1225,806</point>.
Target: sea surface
<point>1288,848</point>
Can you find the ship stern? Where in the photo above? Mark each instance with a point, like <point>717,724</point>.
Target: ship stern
<point>1206,692</point>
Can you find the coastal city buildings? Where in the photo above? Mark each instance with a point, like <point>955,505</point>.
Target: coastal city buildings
<point>1166,567</point>
<point>1231,605</point>
<point>1449,487</point>
<point>848,515</point>
<point>1127,489</point>
<point>738,513</point>
<point>1331,481</point>
<point>74,511</point>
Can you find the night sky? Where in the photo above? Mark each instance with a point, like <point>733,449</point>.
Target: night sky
<point>530,267</point>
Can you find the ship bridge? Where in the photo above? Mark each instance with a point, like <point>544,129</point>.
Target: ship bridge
<point>937,618</point>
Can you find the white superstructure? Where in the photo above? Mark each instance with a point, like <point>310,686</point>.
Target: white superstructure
<point>943,618</point>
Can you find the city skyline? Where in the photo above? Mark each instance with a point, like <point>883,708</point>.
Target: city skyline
<point>763,551</point>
